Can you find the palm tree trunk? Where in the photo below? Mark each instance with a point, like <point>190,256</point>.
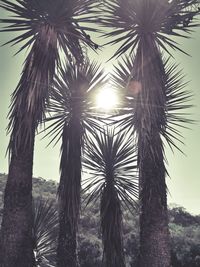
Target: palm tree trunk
<point>150,121</point>
<point>111,224</point>
<point>69,193</point>
<point>67,245</point>
<point>154,233</point>
<point>16,232</point>
<point>27,109</point>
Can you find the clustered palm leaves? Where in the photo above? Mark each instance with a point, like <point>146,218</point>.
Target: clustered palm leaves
<point>110,161</point>
<point>72,116</point>
<point>153,94</point>
<point>45,230</point>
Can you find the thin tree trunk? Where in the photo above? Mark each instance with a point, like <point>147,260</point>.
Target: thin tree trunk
<point>69,194</point>
<point>111,224</point>
<point>16,232</point>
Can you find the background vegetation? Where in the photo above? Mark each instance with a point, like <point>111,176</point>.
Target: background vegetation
<point>184,228</point>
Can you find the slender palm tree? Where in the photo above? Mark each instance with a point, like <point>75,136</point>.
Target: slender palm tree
<point>176,100</point>
<point>47,26</point>
<point>110,160</point>
<point>145,28</point>
<point>72,116</point>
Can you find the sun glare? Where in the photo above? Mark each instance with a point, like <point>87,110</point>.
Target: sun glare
<point>107,99</point>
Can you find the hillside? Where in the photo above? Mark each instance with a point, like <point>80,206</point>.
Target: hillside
<point>184,227</point>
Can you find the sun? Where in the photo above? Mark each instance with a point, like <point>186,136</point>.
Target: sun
<point>106,99</point>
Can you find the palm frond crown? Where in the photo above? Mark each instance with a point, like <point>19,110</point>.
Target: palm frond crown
<point>176,99</point>
<point>133,20</point>
<point>45,27</point>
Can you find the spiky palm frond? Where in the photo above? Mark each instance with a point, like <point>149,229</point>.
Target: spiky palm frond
<point>73,97</point>
<point>131,20</point>
<point>110,158</point>
<point>47,26</point>
<point>121,80</point>
<point>59,19</point>
<point>110,161</point>
<point>176,99</point>
<point>45,232</point>
<point>71,115</point>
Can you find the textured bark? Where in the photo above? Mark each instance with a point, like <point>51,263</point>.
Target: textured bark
<point>67,247</point>
<point>154,233</point>
<point>150,120</point>
<point>69,193</point>
<point>111,225</point>
<point>16,232</point>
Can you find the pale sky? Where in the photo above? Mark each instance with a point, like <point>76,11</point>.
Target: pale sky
<point>184,184</point>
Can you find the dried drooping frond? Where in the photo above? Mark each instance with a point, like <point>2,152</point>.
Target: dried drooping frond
<point>109,159</point>
<point>131,20</point>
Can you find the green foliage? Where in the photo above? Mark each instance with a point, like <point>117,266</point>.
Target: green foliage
<point>179,215</point>
<point>90,251</point>
<point>184,228</point>
<point>185,244</point>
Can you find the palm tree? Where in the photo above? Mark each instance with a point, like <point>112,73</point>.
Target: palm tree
<point>145,27</point>
<point>109,159</point>
<point>45,232</point>
<point>47,26</point>
<point>72,116</point>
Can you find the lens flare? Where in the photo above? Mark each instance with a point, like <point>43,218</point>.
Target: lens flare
<point>107,99</point>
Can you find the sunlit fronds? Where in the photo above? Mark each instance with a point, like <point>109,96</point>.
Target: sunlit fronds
<point>133,20</point>
<point>71,115</point>
<point>45,232</point>
<point>121,80</point>
<point>72,97</point>
<point>176,99</point>
<point>110,159</point>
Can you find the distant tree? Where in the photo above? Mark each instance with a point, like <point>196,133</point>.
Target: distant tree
<point>180,216</point>
<point>90,251</point>
<point>185,245</point>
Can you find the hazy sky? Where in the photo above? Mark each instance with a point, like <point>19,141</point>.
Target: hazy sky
<point>184,183</point>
